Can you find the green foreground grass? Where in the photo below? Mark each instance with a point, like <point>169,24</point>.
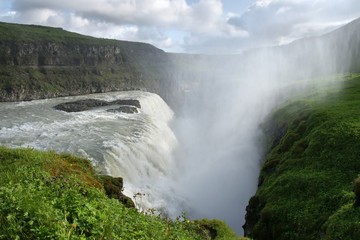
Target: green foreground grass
<point>306,183</point>
<point>44,195</point>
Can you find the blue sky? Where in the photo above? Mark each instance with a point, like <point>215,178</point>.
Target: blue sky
<point>193,26</point>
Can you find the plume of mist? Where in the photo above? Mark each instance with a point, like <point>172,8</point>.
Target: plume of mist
<point>220,150</point>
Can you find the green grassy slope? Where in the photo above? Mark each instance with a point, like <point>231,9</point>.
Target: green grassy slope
<point>36,33</point>
<point>44,195</point>
<point>306,183</point>
<point>33,33</point>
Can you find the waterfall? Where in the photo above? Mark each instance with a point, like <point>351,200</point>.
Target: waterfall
<point>138,147</point>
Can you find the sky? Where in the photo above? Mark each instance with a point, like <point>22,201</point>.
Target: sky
<point>189,26</point>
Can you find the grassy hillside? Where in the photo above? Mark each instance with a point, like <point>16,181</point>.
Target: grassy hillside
<point>33,33</point>
<point>306,183</point>
<point>36,33</point>
<point>44,195</point>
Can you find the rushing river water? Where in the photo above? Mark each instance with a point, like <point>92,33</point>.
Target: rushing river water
<point>138,147</point>
<point>195,163</point>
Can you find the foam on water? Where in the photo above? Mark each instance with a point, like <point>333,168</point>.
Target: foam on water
<point>138,147</point>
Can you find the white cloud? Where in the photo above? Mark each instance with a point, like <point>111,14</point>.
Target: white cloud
<point>144,12</point>
<point>139,20</point>
<point>37,16</point>
<point>272,22</point>
<point>77,21</point>
<point>7,14</point>
<point>203,24</point>
<point>282,10</point>
<point>262,3</point>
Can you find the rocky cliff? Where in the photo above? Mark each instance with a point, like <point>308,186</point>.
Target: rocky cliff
<point>42,62</point>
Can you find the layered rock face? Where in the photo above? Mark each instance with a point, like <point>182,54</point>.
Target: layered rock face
<point>40,62</point>
<point>58,54</point>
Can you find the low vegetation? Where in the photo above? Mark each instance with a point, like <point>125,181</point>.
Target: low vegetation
<point>35,33</point>
<point>44,195</point>
<point>309,186</point>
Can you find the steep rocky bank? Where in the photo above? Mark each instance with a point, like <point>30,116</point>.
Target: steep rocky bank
<point>305,188</point>
<point>42,62</point>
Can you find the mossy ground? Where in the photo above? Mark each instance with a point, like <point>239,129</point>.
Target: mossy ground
<point>306,182</point>
<point>45,195</point>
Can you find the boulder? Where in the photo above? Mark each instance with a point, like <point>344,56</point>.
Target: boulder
<point>81,105</point>
<point>127,105</point>
<point>129,102</point>
<point>113,187</point>
<point>125,109</point>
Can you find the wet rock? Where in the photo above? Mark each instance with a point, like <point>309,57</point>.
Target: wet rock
<point>128,105</point>
<point>130,102</point>
<point>113,187</point>
<point>81,105</point>
<point>125,109</point>
<point>253,213</point>
<point>356,190</point>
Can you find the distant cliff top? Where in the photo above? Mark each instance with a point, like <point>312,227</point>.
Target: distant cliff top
<point>36,33</point>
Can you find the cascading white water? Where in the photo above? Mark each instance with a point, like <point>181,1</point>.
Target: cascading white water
<point>219,131</point>
<point>138,147</point>
<point>219,148</point>
<point>215,168</point>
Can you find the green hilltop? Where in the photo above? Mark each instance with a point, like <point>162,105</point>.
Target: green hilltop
<point>34,33</point>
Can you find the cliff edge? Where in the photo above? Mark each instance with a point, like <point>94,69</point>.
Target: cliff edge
<point>306,185</point>
<point>43,62</point>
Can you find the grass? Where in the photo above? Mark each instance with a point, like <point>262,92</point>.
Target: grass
<point>306,182</point>
<point>35,33</point>
<point>45,195</point>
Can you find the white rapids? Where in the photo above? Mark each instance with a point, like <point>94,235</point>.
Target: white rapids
<point>138,147</point>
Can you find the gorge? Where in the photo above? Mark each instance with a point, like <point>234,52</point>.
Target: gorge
<point>206,160</point>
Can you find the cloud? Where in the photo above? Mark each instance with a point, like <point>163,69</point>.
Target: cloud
<point>273,22</point>
<point>139,20</point>
<point>203,24</point>
<point>202,16</point>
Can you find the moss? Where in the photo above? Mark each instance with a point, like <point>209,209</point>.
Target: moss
<point>306,180</point>
<point>113,189</point>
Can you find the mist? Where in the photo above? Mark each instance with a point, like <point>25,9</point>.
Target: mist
<point>220,149</point>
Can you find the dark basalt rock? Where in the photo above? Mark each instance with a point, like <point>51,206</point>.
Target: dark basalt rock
<point>81,105</point>
<point>124,109</point>
<point>113,188</point>
<point>356,190</point>
<point>253,213</point>
<point>130,102</point>
<point>129,105</point>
